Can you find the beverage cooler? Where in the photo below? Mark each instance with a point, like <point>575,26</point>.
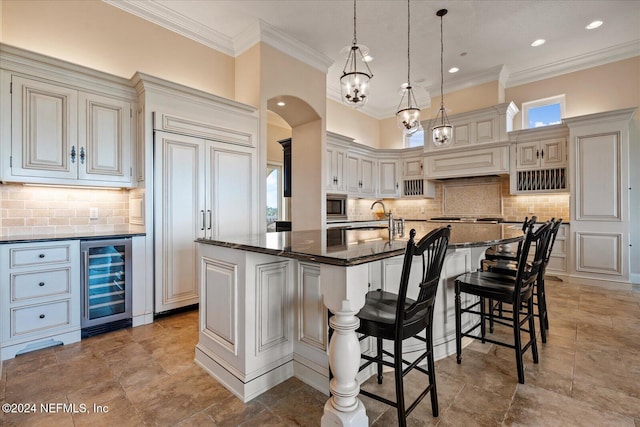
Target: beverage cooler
<point>106,285</point>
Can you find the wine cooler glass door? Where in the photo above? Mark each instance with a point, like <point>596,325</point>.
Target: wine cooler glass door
<point>106,281</point>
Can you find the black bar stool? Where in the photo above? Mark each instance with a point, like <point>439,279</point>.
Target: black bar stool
<point>505,289</point>
<point>387,316</point>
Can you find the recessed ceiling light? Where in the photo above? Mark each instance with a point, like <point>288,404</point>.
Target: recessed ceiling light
<point>454,70</point>
<point>367,58</point>
<point>280,104</point>
<point>594,24</point>
<point>538,42</point>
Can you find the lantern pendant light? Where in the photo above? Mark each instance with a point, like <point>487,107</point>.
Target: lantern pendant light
<point>442,131</point>
<point>408,114</point>
<point>355,84</point>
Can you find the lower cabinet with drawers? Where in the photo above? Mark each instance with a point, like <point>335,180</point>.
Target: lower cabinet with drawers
<point>39,295</point>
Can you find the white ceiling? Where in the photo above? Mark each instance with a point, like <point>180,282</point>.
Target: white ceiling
<point>494,35</point>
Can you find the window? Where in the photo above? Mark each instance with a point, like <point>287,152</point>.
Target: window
<point>543,112</point>
<point>415,140</point>
<point>274,194</point>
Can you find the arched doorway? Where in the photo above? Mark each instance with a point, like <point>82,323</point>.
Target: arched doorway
<point>304,206</point>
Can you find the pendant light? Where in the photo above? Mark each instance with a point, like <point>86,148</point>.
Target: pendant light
<point>442,131</point>
<point>408,115</point>
<point>355,84</point>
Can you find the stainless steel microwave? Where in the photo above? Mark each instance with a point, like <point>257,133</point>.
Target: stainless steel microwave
<point>336,207</point>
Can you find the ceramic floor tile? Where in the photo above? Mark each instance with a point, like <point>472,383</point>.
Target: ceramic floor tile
<point>171,400</point>
<point>588,375</point>
<point>533,406</point>
<point>117,412</point>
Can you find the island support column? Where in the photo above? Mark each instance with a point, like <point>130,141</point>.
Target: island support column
<point>343,293</point>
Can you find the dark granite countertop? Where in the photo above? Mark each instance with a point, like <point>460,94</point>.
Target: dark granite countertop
<point>352,247</point>
<point>96,235</point>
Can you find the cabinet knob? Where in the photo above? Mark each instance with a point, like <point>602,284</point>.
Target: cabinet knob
<point>42,316</point>
<point>73,154</point>
<point>41,256</point>
<point>41,284</point>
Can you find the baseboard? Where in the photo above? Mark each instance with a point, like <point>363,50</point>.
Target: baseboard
<point>601,283</point>
<point>244,391</point>
<point>316,378</point>
<point>11,351</point>
<point>143,319</point>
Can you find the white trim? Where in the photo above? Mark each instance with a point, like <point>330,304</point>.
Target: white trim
<point>576,63</point>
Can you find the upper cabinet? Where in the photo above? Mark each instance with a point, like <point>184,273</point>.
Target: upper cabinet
<point>361,175</point>
<point>480,144</point>
<point>476,128</point>
<point>336,163</point>
<point>64,125</point>
<point>538,160</point>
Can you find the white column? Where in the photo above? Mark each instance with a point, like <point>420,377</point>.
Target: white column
<point>343,292</point>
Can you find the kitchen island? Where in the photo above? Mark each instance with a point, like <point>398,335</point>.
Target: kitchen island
<point>264,301</point>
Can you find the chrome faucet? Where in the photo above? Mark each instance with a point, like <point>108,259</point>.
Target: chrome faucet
<point>387,214</point>
<point>384,210</point>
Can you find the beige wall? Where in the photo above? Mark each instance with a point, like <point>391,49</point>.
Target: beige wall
<point>97,35</point>
<point>604,88</point>
<point>274,149</point>
<point>247,76</point>
<point>469,99</point>
<point>347,121</point>
<point>282,75</point>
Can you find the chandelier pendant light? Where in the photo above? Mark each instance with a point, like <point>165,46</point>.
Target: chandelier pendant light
<point>442,131</point>
<point>354,84</point>
<point>408,114</point>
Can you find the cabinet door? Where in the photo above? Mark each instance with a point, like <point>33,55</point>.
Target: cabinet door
<point>552,152</point>
<point>335,176</point>
<point>229,191</point>
<point>388,175</point>
<point>528,155</point>
<point>367,176</point>
<point>353,175</point>
<point>412,167</point>
<point>104,138</point>
<point>44,130</point>
<point>179,218</point>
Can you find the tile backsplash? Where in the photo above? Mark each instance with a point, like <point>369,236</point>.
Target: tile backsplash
<point>28,210</point>
<point>483,196</point>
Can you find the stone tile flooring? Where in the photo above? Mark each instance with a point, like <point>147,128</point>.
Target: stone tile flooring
<point>588,375</point>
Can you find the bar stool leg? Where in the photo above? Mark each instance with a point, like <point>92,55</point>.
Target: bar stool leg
<point>458,326</point>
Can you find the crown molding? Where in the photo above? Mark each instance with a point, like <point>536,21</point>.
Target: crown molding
<point>575,63</point>
<point>178,23</point>
<point>260,31</point>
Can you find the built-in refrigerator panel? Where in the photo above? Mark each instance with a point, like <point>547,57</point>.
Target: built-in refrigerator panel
<point>106,285</point>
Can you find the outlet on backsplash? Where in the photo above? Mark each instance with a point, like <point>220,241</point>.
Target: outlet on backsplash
<point>93,213</point>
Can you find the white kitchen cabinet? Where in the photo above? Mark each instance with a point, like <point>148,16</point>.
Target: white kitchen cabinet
<point>40,295</point>
<point>412,167</point>
<point>558,260</point>
<point>246,328</point>
<point>476,128</point>
<point>541,154</point>
<point>361,175</point>
<point>603,147</point>
<point>388,178</point>
<point>336,162</point>
<point>538,160</point>
<point>456,164</point>
<point>68,125</point>
<point>203,190</point>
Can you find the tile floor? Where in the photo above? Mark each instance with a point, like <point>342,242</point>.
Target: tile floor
<point>588,375</point>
